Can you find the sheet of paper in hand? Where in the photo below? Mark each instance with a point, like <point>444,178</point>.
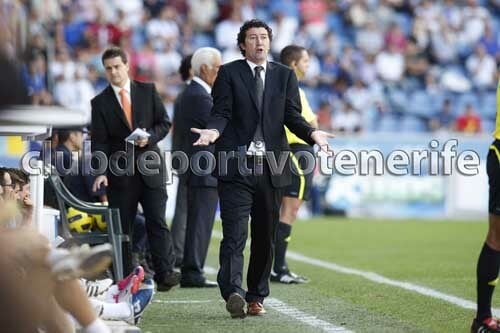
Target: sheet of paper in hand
<point>137,134</point>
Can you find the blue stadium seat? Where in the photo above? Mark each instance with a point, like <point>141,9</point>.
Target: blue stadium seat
<point>335,23</point>
<point>420,104</point>
<point>464,99</point>
<point>389,123</point>
<point>487,105</point>
<point>202,40</point>
<point>411,123</point>
<point>487,125</point>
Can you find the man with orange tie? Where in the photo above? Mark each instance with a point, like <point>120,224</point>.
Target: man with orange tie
<point>135,171</point>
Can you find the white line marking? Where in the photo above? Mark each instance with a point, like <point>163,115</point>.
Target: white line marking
<point>303,317</point>
<point>181,301</point>
<point>374,277</point>
<point>210,270</point>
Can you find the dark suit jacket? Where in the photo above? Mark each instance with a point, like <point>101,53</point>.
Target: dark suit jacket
<point>110,128</point>
<point>180,141</point>
<point>180,138</point>
<point>235,114</point>
<point>195,105</point>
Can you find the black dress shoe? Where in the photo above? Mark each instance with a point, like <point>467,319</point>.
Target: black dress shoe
<point>168,281</point>
<point>202,284</point>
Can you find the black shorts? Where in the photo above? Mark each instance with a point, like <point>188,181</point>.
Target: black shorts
<point>300,187</point>
<point>493,169</point>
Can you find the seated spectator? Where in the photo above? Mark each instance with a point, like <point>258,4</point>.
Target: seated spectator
<point>205,22</point>
<point>395,39</point>
<point>444,43</point>
<point>390,65</point>
<point>490,42</point>
<point>469,122</point>
<point>347,120</point>
<point>444,119</point>
<point>324,115</point>
<point>417,64</point>
<point>482,68</point>
<point>36,81</point>
<point>370,38</point>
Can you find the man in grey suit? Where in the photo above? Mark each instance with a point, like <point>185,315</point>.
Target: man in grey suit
<point>195,105</point>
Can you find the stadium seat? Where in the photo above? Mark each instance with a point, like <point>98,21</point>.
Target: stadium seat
<point>114,234</point>
<point>465,99</point>
<point>420,104</point>
<point>389,123</point>
<point>487,105</point>
<point>411,123</point>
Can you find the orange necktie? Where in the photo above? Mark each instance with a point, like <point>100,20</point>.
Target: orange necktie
<point>127,108</point>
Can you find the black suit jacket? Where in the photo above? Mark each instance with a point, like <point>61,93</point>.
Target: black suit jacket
<point>195,105</point>
<point>235,114</point>
<point>110,128</point>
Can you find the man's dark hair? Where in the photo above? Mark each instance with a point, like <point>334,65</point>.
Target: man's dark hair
<point>18,176</point>
<point>252,24</point>
<point>63,135</point>
<point>290,54</point>
<point>185,67</point>
<point>3,171</point>
<point>113,52</point>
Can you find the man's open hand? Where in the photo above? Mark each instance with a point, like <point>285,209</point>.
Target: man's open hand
<point>207,136</point>
<point>321,139</point>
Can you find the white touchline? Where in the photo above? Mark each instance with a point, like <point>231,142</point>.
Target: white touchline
<point>463,303</point>
<point>303,317</point>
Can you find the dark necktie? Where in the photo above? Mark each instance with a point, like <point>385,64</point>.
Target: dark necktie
<point>259,87</point>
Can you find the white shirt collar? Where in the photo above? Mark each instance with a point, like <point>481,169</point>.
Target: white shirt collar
<point>202,83</point>
<point>118,89</point>
<point>253,65</point>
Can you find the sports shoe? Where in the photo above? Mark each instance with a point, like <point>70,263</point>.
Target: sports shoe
<point>489,325</point>
<point>235,305</point>
<point>139,272</point>
<point>142,299</point>
<point>83,261</point>
<point>255,309</point>
<point>288,278</point>
<point>130,289</point>
<point>97,287</point>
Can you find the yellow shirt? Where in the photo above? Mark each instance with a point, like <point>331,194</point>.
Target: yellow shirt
<point>496,134</point>
<point>307,114</point>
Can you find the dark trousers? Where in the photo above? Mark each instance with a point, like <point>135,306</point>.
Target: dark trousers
<point>153,201</point>
<point>202,203</point>
<point>243,196</point>
<point>179,221</point>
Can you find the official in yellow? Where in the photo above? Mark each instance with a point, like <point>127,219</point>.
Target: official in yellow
<point>299,190</point>
<point>488,263</point>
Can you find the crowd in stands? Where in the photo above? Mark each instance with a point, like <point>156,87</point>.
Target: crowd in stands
<point>376,65</point>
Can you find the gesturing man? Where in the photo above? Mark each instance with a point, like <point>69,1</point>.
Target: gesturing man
<point>123,106</point>
<point>253,100</point>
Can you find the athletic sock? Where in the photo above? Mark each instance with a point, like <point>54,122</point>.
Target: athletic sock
<point>281,244</point>
<point>487,278</point>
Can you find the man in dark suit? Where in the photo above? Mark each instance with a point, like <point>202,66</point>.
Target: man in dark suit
<point>253,100</point>
<point>123,106</point>
<point>180,142</point>
<point>195,106</point>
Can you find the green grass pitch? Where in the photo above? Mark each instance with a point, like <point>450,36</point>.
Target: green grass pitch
<point>435,254</point>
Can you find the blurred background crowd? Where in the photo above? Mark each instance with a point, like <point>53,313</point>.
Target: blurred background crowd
<point>376,65</point>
